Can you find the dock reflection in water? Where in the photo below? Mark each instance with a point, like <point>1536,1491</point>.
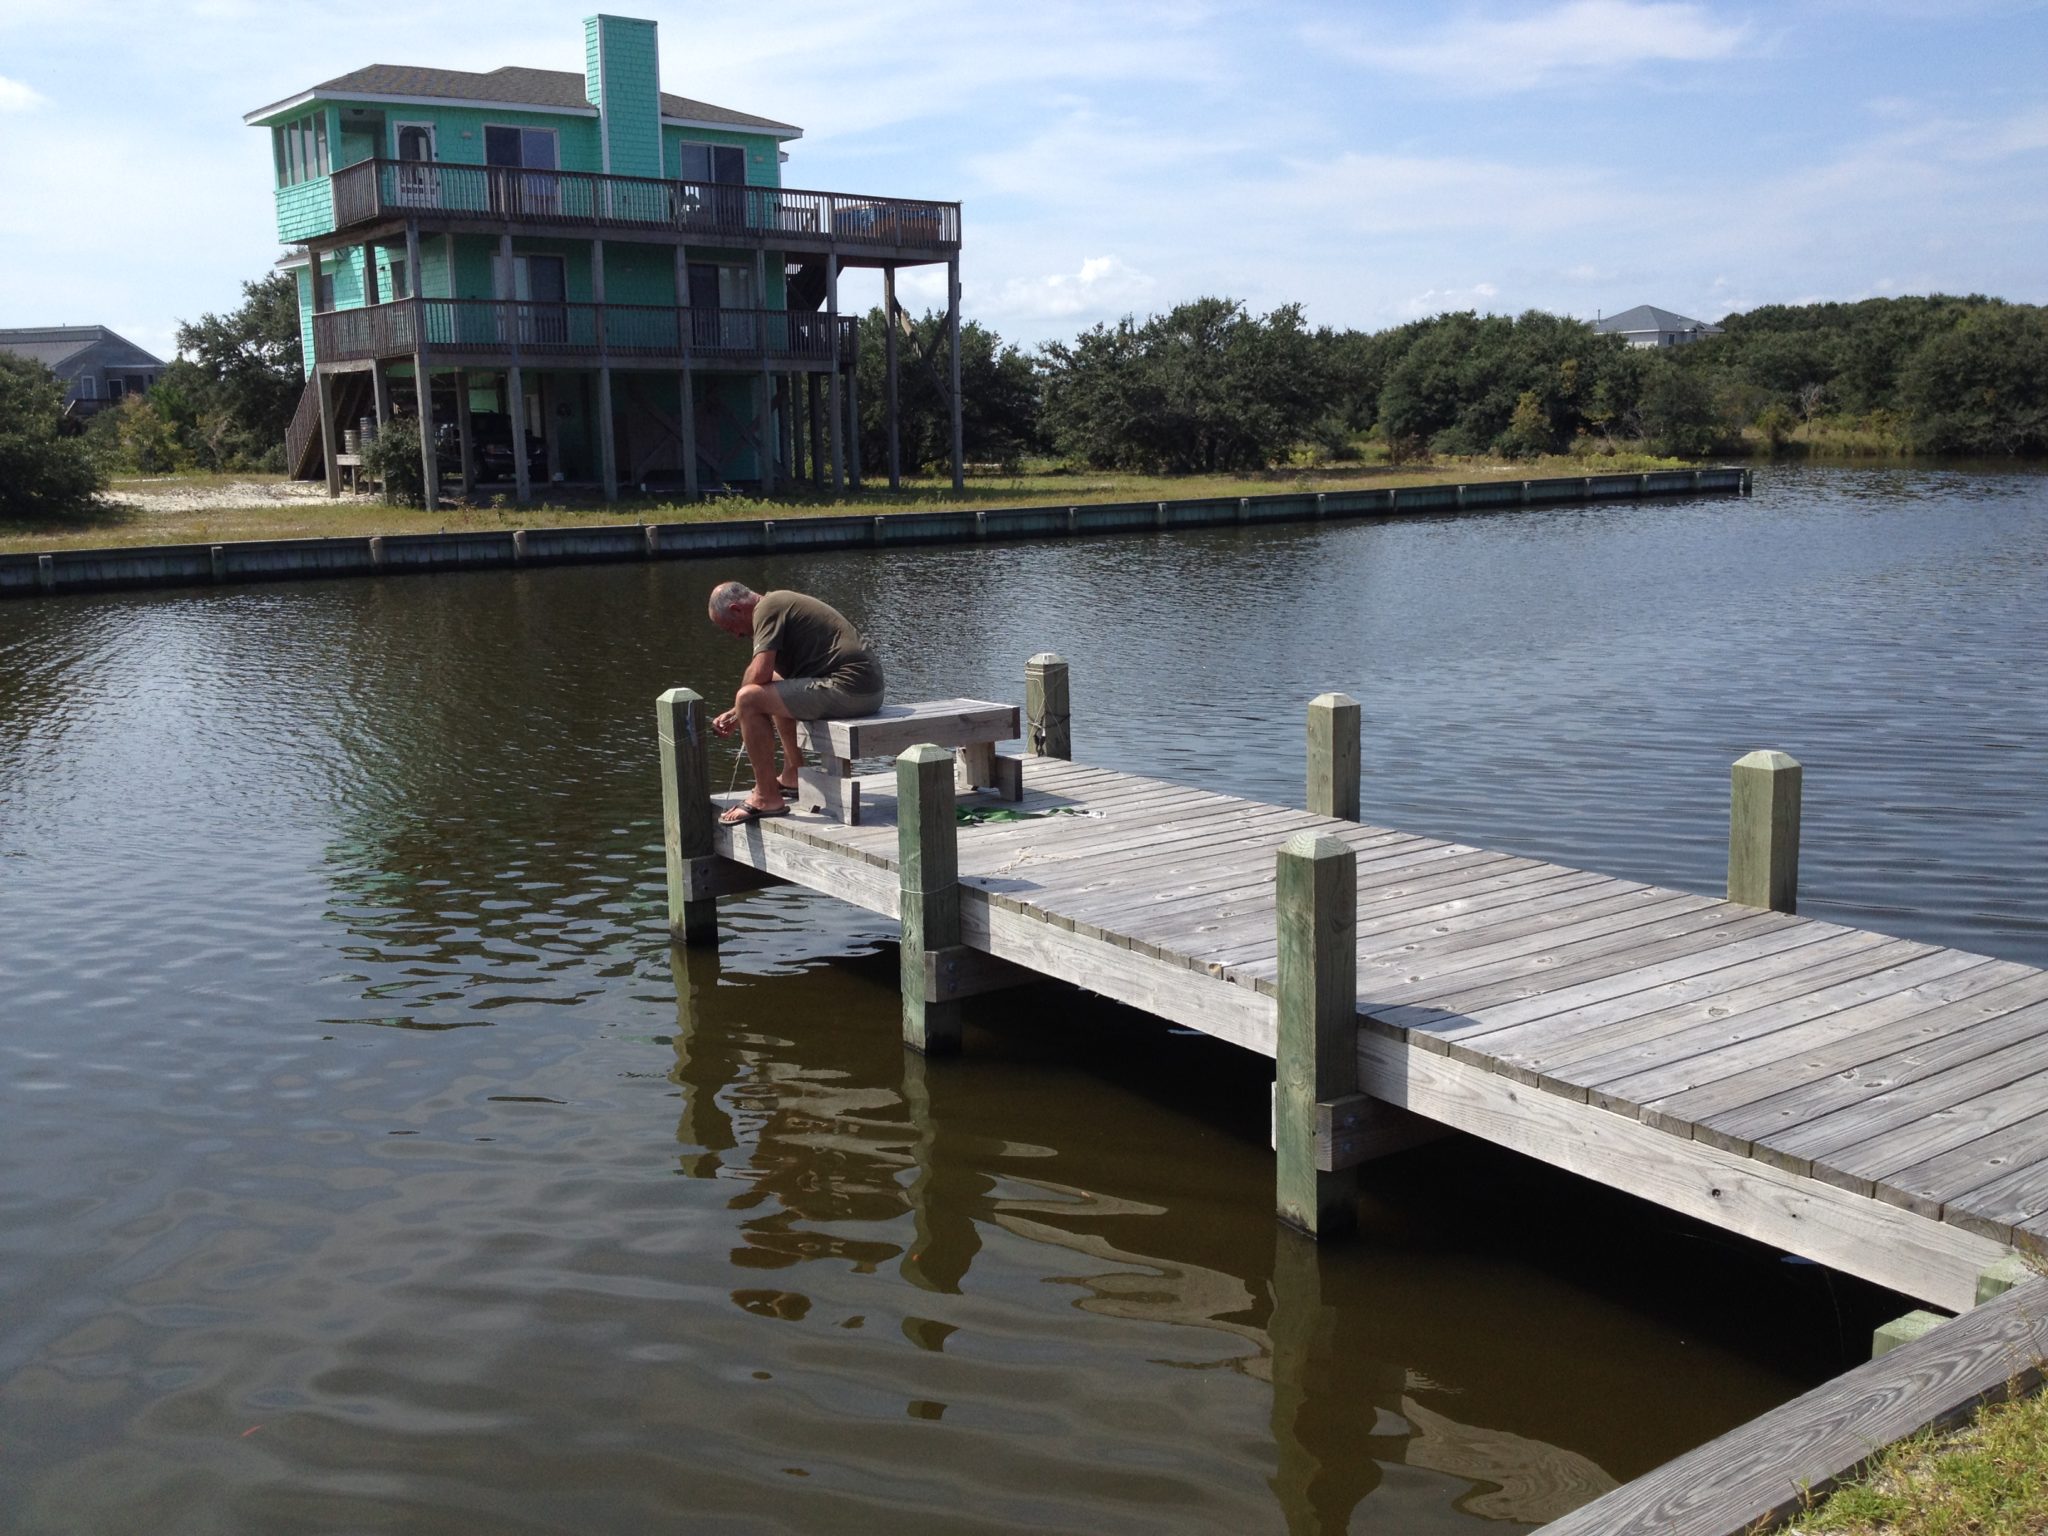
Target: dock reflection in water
<point>1198,1306</point>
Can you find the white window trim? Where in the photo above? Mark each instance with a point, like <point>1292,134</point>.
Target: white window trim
<point>399,125</point>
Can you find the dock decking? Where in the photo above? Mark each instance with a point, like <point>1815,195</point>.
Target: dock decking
<point>1871,1103</point>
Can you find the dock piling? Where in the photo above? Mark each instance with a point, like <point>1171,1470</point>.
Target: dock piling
<point>1333,723</point>
<point>1763,832</point>
<point>1316,1049</point>
<point>686,816</point>
<point>1048,731</point>
<point>928,865</point>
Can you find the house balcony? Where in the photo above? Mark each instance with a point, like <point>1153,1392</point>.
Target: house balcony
<point>372,197</point>
<point>492,333</point>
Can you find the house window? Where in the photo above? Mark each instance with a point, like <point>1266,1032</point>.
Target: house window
<point>88,386</point>
<point>530,148</point>
<point>399,275</point>
<point>508,149</point>
<point>301,149</point>
<point>115,389</point>
<point>712,162</point>
<point>323,291</point>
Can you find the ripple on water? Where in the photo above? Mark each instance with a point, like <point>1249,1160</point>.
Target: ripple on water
<point>366,1161</point>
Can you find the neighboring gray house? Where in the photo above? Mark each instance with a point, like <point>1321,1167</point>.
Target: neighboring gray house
<point>98,368</point>
<point>1648,326</point>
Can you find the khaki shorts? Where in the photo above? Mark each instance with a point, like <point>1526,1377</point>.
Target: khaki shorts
<point>824,698</point>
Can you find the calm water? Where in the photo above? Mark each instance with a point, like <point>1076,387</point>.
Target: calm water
<point>369,1163</point>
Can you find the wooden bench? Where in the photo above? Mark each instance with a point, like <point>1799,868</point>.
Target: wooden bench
<point>971,727</point>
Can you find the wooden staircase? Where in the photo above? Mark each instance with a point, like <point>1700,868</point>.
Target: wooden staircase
<point>303,459</point>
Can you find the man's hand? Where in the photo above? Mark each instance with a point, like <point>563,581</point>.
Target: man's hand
<point>723,724</point>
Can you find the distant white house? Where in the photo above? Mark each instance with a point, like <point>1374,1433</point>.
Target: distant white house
<point>1648,326</point>
<point>98,367</point>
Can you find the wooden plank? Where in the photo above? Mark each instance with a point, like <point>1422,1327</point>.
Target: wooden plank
<point>1758,1474</point>
<point>2011,1209</point>
<point>1548,1051</point>
<point>1954,1150</point>
<point>1237,1014</point>
<point>896,727</point>
<point>1903,1071</point>
<point>1638,981</point>
<point>958,971</point>
<point>1399,943</point>
<point>1143,888</point>
<point>1631,957</point>
<point>1693,1059</point>
<point>1469,884</point>
<point>1193,928</point>
<point>1946,1062</point>
<point>1928,1260</point>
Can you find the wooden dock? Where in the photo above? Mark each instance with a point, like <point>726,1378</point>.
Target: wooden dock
<point>1870,1103</point>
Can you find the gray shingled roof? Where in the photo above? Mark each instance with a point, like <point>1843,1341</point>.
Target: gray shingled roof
<point>1648,317</point>
<point>52,344</point>
<point>535,87</point>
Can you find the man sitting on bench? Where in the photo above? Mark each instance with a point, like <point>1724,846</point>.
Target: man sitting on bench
<point>809,663</point>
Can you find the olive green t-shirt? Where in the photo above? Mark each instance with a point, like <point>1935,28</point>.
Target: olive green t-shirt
<point>813,639</point>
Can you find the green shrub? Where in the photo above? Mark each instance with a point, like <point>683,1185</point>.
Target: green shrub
<point>45,473</point>
<point>392,458</point>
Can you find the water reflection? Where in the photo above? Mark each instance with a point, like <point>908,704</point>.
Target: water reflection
<point>1366,1361</point>
<point>366,1161</point>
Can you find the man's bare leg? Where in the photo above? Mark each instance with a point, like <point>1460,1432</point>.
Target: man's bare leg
<point>762,714</point>
<point>792,753</point>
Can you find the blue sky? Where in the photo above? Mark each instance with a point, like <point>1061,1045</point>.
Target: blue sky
<point>1374,162</point>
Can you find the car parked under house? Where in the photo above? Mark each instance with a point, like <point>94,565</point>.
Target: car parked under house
<point>614,272</point>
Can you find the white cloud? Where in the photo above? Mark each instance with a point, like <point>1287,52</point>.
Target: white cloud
<point>1564,43</point>
<point>1103,286</point>
<point>1436,301</point>
<point>16,97</point>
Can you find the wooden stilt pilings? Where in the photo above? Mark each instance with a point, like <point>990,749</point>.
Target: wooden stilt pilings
<point>1763,832</point>
<point>682,724</point>
<point>330,436</point>
<point>1316,1060</point>
<point>1047,728</point>
<point>1333,756</point>
<point>928,867</point>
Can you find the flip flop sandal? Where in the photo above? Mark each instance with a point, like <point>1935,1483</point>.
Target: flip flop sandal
<point>750,812</point>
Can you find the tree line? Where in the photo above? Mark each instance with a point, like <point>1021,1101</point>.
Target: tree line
<point>1211,386</point>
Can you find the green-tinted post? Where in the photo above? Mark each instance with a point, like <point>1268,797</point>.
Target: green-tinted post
<point>1048,731</point>
<point>928,870</point>
<point>1333,756</point>
<point>1763,832</point>
<point>686,813</point>
<point>1316,1050</point>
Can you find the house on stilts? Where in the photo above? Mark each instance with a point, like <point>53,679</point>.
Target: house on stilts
<point>599,282</point>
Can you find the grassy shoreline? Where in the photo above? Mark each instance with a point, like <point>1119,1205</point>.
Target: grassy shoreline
<point>1988,1477</point>
<point>126,519</point>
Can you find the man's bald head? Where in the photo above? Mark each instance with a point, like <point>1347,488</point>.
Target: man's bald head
<point>732,607</point>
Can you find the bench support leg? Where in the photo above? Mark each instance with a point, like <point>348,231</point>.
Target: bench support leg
<point>928,864</point>
<point>830,788</point>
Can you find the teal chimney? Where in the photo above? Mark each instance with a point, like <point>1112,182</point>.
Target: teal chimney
<point>622,79</point>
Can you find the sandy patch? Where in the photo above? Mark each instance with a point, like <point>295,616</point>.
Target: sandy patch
<point>172,497</point>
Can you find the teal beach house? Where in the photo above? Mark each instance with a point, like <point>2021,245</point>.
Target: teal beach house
<point>580,280</point>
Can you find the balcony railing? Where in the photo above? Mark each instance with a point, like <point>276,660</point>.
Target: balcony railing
<point>373,190</point>
<point>627,332</point>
